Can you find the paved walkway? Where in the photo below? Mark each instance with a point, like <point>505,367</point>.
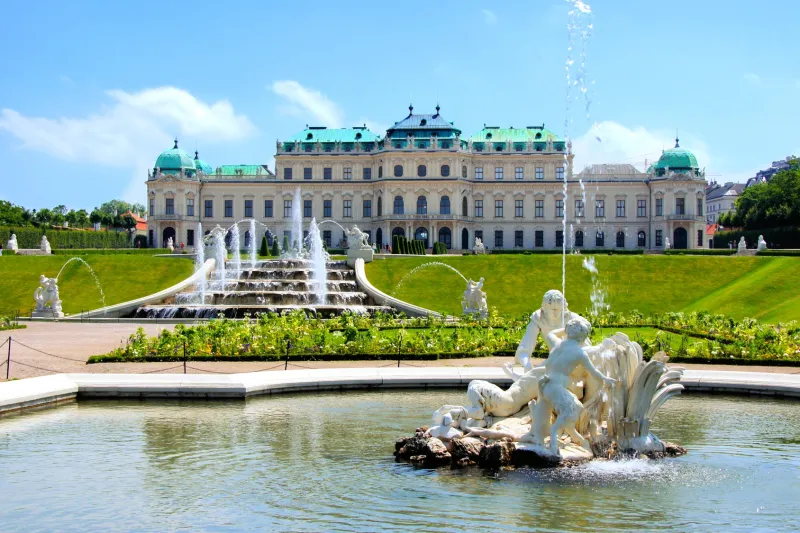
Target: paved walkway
<point>35,347</point>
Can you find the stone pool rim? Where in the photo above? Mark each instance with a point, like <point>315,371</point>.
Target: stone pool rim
<point>45,391</point>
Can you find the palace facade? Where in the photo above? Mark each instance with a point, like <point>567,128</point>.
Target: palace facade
<point>423,179</point>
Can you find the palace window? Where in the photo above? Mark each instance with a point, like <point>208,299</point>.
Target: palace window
<point>348,209</point>
<point>620,208</point>
<point>620,239</point>
<point>348,173</point>
<point>398,171</point>
<point>518,208</point>
<point>327,208</point>
<point>189,237</point>
<point>367,211</point>
<point>248,209</point>
<point>641,208</point>
<point>498,238</point>
<point>498,208</point>
<point>307,173</point>
<point>367,173</point>
<point>326,237</point>
<point>478,173</point>
<point>659,207</point>
<point>538,238</point>
<point>209,207</point>
<point>380,206</point>
<point>680,206</point>
<point>307,211</point>
<point>479,208</point>
<point>519,173</point>
<point>599,208</point>
<point>559,173</point>
<point>327,173</point>
<point>539,173</point>
<point>659,238</point>
<point>559,238</point>
<point>287,209</point>
<point>539,208</point>
<point>445,171</point>
<point>190,207</point>
<point>498,173</point>
<point>641,239</point>
<point>464,171</point>
<point>444,205</point>
<point>600,239</point>
<point>267,208</point>
<point>380,171</point>
<point>559,208</point>
<point>464,206</point>
<point>170,207</point>
<point>579,239</point>
<point>287,173</point>
<point>228,208</point>
<point>152,211</point>
<point>699,238</point>
<point>518,238</point>
<point>699,206</point>
<point>398,205</point>
<point>422,205</point>
<point>579,208</point>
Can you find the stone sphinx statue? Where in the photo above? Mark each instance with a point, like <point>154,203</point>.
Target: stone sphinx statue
<point>479,248</point>
<point>45,245</point>
<point>762,244</point>
<point>742,245</point>
<point>474,301</point>
<point>46,298</point>
<point>357,239</point>
<point>12,245</point>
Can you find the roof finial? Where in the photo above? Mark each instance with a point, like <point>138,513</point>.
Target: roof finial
<point>410,109</point>
<point>437,108</point>
<point>196,155</point>
<point>176,143</point>
<point>676,138</point>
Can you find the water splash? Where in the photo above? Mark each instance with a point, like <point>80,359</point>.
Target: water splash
<point>221,256</point>
<point>200,260</point>
<point>423,266</point>
<point>91,271</point>
<point>598,294</point>
<point>236,254</point>
<point>296,239</point>
<point>253,253</point>
<point>319,259</point>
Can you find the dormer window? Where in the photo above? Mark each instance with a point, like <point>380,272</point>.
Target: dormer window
<point>309,136</point>
<point>538,136</point>
<point>423,122</point>
<point>358,136</point>
<point>488,135</point>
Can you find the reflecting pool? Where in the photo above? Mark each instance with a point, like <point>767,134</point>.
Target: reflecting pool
<point>324,463</point>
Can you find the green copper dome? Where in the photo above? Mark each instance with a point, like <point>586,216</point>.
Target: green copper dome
<point>175,160</point>
<point>201,165</point>
<point>676,159</point>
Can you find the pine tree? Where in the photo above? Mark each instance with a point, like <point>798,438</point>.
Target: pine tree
<point>276,252</point>
<point>264,251</point>
<point>286,244</point>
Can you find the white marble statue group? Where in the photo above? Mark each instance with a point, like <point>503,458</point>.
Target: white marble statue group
<point>170,244</point>
<point>474,300</point>
<point>581,395</point>
<point>46,297</point>
<point>357,239</point>
<point>479,248</point>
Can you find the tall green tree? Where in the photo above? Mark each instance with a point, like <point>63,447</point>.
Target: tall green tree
<point>772,204</point>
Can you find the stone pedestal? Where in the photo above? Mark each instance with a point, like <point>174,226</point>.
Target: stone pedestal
<point>366,254</point>
<point>47,313</point>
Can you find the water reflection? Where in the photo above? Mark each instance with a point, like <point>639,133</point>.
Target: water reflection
<point>323,462</point>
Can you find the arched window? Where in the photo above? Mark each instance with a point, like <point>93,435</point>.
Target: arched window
<point>464,206</point>
<point>380,206</point>
<point>421,234</point>
<point>247,238</point>
<point>620,239</point>
<point>641,239</point>
<point>422,171</point>
<point>445,170</point>
<point>579,239</point>
<point>398,205</point>
<point>422,205</point>
<point>464,171</point>
<point>400,232</point>
<point>446,237</point>
<point>380,171</point>
<point>464,239</point>
<point>379,238</point>
<point>398,171</point>
<point>444,205</point>
<point>600,239</point>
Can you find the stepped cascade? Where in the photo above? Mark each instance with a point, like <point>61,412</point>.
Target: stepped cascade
<point>269,286</point>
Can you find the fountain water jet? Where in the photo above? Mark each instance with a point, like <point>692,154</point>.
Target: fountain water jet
<point>199,261</point>
<point>297,226</point>
<point>221,256</point>
<point>236,254</point>
<point>253,253</point>
<point>423,266</point>
<point>91,271</point>
<point>319,259</point>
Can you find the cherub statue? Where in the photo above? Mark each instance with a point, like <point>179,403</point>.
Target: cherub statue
<point>742,245</point>
<point>762,244</point>
<point>12,245</point>
<point>45,244</point>
<point>46,295</point>
<point>474,298</point>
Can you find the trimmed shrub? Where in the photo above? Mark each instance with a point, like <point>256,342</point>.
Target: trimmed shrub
<point>111,251</point>
<point>395,244</point>
<point>286,244</point>
<point>276,251</point>
<point>558,251</point>
<point>264,250</point>
<point>714,251</point>
<point>31,238</point>
<point>785,237</point>
<point>790,253</point>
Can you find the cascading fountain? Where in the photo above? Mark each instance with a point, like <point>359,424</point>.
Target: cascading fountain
<point>253,248</point>
<point>319,259</point>
<point>221,256</point>
<point>236,253</point>
<point>200,260</point>
<point>296,240</point>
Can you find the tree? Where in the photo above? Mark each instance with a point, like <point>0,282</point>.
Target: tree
<point>264,250</point>
<point>96,217</point>
<point>129,223</point>
<point>276,252</point>
<point>773,204</point>
<point>81,218</point>
<point>44,216</point>
<point>286,244</point>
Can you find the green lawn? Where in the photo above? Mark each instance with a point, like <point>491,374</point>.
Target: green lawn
<point>122,278</point>
<point>760,287</point>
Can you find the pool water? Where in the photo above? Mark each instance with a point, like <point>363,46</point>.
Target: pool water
<point>324,463</point>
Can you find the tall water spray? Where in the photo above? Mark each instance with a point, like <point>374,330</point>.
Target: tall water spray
<point>598,294</point>
<point>253,253</point>
<point>297,225</point>
<point>236,254</point>
<point>200,260</point>
<point>221,256</point>
<point>319,259</point>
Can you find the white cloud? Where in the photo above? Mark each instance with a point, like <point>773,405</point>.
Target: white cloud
<point>611,142</point>
<point>489,17</point>
<point>753,78</point>
<point>305,102</point>
<point>131,132</point>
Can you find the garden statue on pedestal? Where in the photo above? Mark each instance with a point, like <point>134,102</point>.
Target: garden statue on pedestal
<point>46,297</point>
<point>474,301</point>
<point>479,248</point>
<point>667,244</point>
<point>12,245</point>
<point>742,245</point>
<point>45,245</point>
<point>762,244</point>
<point>170,245</point>
<point>358,246</point>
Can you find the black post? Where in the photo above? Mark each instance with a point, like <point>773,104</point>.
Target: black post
<point>8,361</point>
<point>288,345</point>
<point>184,356</point>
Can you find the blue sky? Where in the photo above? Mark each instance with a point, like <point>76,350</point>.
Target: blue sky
<point>90,93</point>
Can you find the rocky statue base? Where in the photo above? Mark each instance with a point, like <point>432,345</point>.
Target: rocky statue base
<point>367,254</point>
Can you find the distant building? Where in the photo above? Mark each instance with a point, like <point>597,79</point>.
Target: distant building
<point>721,199</point>
<point>763,176</point>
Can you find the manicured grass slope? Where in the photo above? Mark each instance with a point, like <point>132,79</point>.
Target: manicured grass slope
<point>760,287</point>
<point>122,277</point>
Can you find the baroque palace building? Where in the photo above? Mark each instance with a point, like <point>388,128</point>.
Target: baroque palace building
<point>424,180</point>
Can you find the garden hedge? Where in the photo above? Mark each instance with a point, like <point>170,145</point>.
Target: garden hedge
<point>31,238</point>
<point>713,251</point>
<point>112,251</point>
<point>785,237</point>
